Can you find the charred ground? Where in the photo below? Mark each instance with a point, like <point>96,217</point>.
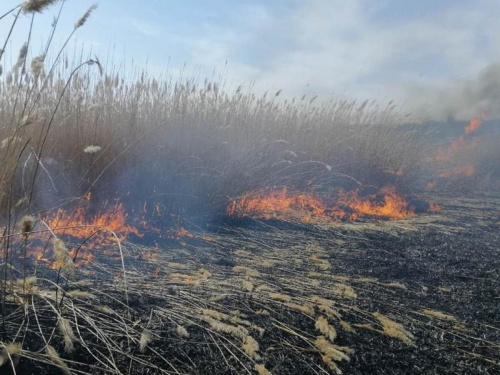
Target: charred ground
<point>436,276</point>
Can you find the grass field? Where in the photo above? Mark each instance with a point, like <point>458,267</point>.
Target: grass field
<point>180,226</point>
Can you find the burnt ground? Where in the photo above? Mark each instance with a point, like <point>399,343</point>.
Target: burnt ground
<point>413,296</point>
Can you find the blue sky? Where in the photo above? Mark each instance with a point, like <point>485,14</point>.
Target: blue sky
<point>365,49</point>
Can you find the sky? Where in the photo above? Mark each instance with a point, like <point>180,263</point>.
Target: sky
<point>416,53</point>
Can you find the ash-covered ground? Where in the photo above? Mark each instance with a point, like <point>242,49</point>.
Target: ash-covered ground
<point>413,296</point>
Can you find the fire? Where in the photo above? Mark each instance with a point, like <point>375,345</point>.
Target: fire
<point>307,208</point>
<point>98,228</point>
<point>280,205</point>
<point>393,206</point>
<point>433,207</point>
<point>91,232</point>
<point>474,124</point>
<point>464,143</point>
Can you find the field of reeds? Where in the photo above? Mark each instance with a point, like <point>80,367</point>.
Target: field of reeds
<point>103,169</point>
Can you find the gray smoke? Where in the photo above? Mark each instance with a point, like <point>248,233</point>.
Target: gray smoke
<point>461,100</point>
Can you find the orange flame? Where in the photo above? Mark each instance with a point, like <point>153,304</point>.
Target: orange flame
<point>474,124</point>
<point>394,206</point>
<point>278,204</point>
<point>307,208</point>
<point>433,207</point>
<point>98,228</point>
<point>463,143</point>
<point>91,231</point>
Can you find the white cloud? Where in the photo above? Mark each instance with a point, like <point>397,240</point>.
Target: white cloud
<point>146,28</point>
<point>337,48</point>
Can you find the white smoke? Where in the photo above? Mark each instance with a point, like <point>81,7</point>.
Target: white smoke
<point>461,100</point>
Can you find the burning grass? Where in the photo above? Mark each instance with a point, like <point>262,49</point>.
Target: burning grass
<point>101,176</point>
<point>297,316</point>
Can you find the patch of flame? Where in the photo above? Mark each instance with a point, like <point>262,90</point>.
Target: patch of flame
<point>394,206</point>
<point>433,207</point>
<point>280,205</point>
<point>474,124</point>
<point>307,208</point>
<point>80,225</point>
<point>91,232</point>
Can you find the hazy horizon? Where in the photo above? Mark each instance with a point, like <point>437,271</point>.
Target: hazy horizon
<point>440,60</point>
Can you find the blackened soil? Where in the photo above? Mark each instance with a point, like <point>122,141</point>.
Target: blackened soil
<point>447,263</point>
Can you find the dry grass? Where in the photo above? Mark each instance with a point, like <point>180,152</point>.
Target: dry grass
<point>325,328</point>
<point>394,329</point>
<point>261,369</point>
<point>70,132</point>
<point>438,314</point>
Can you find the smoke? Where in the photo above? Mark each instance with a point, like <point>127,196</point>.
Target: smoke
<point>461,100</point>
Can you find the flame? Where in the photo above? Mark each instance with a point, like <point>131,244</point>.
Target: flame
<point>98,228</point>
<point>433,207</point>
<point>465,171</point>
<point>464,143</point>
<point>92,232</point>
<point>394,206</point>
<point>474,125</point>
<point>307,208</point>
<point>278,204</point>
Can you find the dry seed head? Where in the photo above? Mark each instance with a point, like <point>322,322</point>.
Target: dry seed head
<point>23,52</point>
<point>394,329</point>
<point>251,347</point>
<point>347,327</point>
<point>92,149</point>
<point>27,224</point>
<point>9,350</point>
<point>28,284</point>
<point>247,285</point>
<point>68,335</point>
<point>37,65</point>
<point>146,338</point>
<point>280,297</point>
<point>62,256</point>
<point>85,17</point>
<point>261,370</point>
<point>344,290</point>
<point>80,294</point>
<point>182,332</point>
<point>334,352</point>
<point>305,309</point>
<point>31,6</point>
<point>325,328</point>
<point>56,359</point>
<point>235,331</point>
<point>438,314</point>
